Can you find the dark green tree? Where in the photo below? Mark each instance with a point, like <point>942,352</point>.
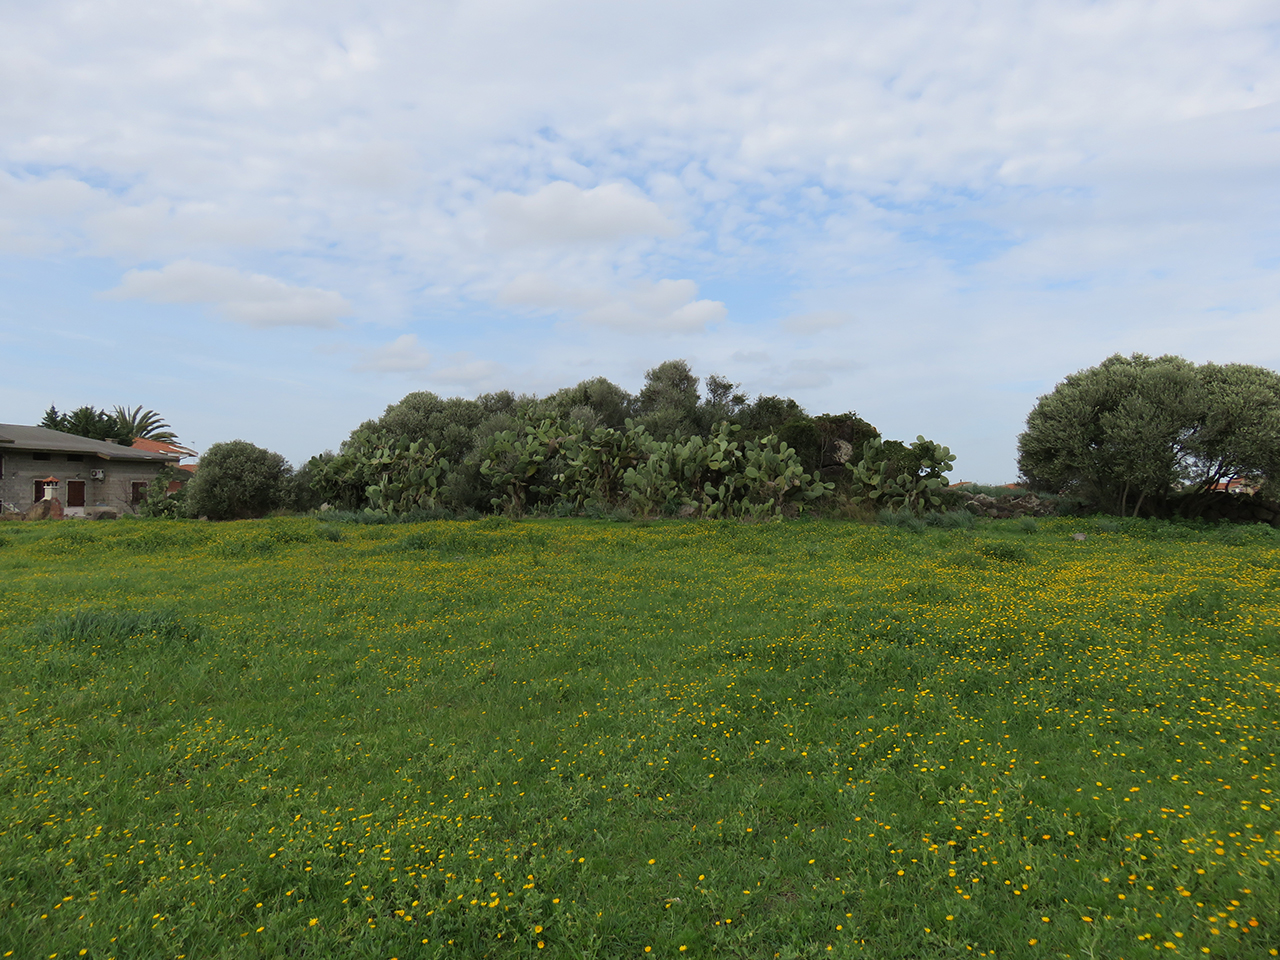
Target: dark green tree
<point>86,421</point>
<point>594,403</point>
<point>668,402</point>
<point>801,434</point>
<point>449,425</point>
<point>53,420</point>
<point>238,481</point>
<point>723,402</point>
<point>122,424</point>
<point>766,415</point>
<point>301,494</point>
<point>828,441</point>
<point>1132,431</point>
<point>841,437</point>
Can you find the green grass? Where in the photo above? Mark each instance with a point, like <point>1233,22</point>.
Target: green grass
<point>296,738</point>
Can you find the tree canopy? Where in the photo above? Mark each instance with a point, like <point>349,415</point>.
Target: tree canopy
<point>593,442</point>
<point>1134,430</point>
<point>122,424</point>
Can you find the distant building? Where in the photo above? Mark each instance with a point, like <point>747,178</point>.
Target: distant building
<point>164,446</point>
<point>89,477</point>
<point>1235,485</point>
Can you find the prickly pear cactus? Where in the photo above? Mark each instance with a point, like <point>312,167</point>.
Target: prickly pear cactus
<point>918,492</point>
<point>519,464</point>
<point>410,474</point>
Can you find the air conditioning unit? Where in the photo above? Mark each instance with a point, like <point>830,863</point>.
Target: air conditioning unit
<point>97,474</point>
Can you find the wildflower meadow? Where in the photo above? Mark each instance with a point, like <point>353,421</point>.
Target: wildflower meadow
<point>576,738</point>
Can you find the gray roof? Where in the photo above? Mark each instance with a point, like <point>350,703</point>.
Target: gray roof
<point>17,437</point>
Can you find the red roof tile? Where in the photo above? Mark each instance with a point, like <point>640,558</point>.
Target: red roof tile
<point>161,446</point>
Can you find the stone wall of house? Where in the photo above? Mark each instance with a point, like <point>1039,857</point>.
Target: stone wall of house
<point>20,469</point>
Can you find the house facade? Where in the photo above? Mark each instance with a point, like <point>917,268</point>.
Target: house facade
<point>89,477</point>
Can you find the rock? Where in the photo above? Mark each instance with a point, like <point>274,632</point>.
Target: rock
<point>45,510</point>
<point>1005,508</point>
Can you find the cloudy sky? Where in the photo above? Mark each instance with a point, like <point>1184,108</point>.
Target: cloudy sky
<point>268,219</point>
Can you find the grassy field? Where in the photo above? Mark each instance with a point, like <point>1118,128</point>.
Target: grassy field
<point>288,738</point>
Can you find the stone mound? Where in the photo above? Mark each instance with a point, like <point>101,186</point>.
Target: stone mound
<point>1008,507</point>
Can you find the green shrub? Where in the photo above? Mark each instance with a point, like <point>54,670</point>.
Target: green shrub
<point>237,481</point>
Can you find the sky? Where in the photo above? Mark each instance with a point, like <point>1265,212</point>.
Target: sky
<point>267,220</point>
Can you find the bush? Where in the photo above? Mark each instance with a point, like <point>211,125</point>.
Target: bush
<point>801,434</point>
<point>238,481</point>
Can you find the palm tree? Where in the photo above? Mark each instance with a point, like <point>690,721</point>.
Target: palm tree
<point>138,423</point>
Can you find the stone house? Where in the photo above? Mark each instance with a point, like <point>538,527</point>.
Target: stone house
<point>89,477</point>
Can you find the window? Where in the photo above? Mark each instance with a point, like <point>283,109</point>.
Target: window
<point>75,493</point>
<point>139,491</point>
<point>75,458</point>
<point>41,456</point>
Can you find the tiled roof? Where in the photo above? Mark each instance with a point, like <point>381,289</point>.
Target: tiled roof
<point>15,436</point>
<point>162,446</point>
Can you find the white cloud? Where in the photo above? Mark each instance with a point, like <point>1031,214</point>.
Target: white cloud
<point>248,298</point>
<point>563,213</point>
<point>815,322</point>
<point>465,371</point>
<point>402,355</point>
<point>40,215</point>
<point>159,228</point>
<point>541,291</point>
<point>975,177</point>
<point>664,306</point>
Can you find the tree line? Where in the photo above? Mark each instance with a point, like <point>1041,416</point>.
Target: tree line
<point>1132,436</point>
<point>121,425</point>
<point>679,446</point>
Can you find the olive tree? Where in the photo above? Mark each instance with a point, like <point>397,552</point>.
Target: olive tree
<point>238,481</point>
<point>668,402</point>
<point>1133,430</point>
